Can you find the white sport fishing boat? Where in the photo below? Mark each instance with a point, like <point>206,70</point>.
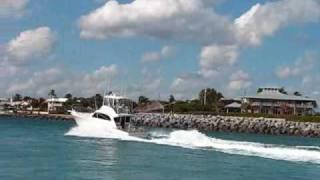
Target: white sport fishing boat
<point>116,112</point>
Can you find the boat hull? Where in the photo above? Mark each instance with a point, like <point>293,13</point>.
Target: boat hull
<point>86,119</point>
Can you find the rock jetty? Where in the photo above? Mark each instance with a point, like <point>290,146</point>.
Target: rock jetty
<point>229,124</point>
<point>57,117</point>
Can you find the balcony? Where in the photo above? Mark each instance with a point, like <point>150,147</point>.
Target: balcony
<point>277,104</point>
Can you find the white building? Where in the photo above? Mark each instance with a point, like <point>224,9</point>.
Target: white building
<point>3,103</point>
<point>56,105</point>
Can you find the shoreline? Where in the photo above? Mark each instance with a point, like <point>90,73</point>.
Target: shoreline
<point>58,117</point>
<point>229,124</point>
<point>249,125</point>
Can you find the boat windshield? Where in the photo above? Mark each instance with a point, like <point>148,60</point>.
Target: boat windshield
<point>120,105</point>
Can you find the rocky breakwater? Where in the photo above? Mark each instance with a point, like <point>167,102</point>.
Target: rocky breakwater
<point>229,124</point>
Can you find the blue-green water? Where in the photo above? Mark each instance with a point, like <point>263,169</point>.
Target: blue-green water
<point>40,149</point>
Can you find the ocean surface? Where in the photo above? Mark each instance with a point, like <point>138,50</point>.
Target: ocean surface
<point>47,149</point>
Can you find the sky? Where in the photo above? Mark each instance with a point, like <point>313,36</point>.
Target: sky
<point>158,47</point>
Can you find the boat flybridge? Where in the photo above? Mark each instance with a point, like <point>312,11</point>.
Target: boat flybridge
<point>115,112</point>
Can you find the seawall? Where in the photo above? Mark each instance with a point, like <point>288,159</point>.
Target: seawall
<point>229,124</point>
<point>57,117</point>
<point>208,123</point>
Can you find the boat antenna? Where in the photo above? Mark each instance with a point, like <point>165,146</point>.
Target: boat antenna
<point>95,102</point>
<point>160,75</point>
<point>105,91</point>
<point>127,80</point>
<point>121,87</point>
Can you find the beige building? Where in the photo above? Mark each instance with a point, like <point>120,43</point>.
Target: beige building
<point>274,101</point>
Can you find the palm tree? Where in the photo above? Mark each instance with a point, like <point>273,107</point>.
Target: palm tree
<point>68,96</point>
<point>210,97</point>
<point>171,99</point>
<point>52,93</point>
<point>143,99</point>
<point>17,97</point>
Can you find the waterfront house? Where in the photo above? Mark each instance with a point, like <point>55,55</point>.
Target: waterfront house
<point>276,101</point>
<point>18,106</point>
<point>273,101</point>
<point>3,103</point>
<point>56,105</point>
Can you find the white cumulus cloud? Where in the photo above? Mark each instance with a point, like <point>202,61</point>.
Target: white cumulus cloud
<point>165,52</point>
<point>37,81</point>
<point>265,20</point>
<point>188,85</point>
<point>62,81</point>
<point>260,21</point>
<point>30,44</point>
<point>12,8</point>
<point>301,67</point>
<point>183,20</point>
<point>239,80</point>
<point>214,57</point>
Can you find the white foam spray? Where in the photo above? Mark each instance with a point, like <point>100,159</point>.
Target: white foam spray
<point>193,139</point>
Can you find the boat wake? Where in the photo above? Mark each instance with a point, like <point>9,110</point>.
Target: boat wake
<point>194,139</point>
